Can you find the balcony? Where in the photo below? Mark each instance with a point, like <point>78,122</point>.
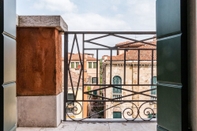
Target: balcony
<point>108,92</point>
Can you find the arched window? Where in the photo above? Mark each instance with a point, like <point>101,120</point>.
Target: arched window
<point>117,80</point>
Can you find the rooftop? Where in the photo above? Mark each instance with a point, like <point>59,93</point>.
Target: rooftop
<point>133,54</point>
<point>75,57</point>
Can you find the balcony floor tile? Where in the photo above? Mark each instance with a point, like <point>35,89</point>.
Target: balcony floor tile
<point>96,126</point>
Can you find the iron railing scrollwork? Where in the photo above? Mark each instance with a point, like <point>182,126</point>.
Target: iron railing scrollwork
<point>133,60</point>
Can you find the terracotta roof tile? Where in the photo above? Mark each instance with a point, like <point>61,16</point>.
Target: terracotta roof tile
<point>75,57</point>
<point>133,54</point>
<point>129,44</point>
<point>91,59</point>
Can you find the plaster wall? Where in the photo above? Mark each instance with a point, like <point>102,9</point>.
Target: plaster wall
<point>92,71</point>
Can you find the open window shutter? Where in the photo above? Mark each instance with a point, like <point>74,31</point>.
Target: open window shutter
<point>8,65</point>
<point>172,64</point>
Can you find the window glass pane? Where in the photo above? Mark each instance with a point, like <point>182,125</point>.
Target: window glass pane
<point>72,65</point>
<point>89,64</point>
<point>70,96</point>
<point>154,79</point>
<point>117,80</point>
<point>95,92</point>
<point>70,106</point>
<point>77,64</point>
<point>94,79</point>
<point>117,115</point>
<point>94,65</point>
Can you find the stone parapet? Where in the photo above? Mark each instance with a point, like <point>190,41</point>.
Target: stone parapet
<point>42,21</point>
<point>39,111</point>
<point>39,71</point>
<point>39,55</point>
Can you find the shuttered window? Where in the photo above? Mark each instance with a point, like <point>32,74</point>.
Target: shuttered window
<point>70,108</point>
<point>77,64</point>
<point>117,115</point>
<point>72,65</point>
<point>89,64</point>
<point>94,65</point>
<point>154,79</point>
<point>117,80</point>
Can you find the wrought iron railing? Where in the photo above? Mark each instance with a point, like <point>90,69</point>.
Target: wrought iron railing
<point>109,81</point>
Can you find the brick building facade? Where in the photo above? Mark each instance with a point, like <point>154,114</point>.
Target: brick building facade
<point>146,75</point>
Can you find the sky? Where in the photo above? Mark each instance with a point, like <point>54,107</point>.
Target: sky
<point>96,15</point>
